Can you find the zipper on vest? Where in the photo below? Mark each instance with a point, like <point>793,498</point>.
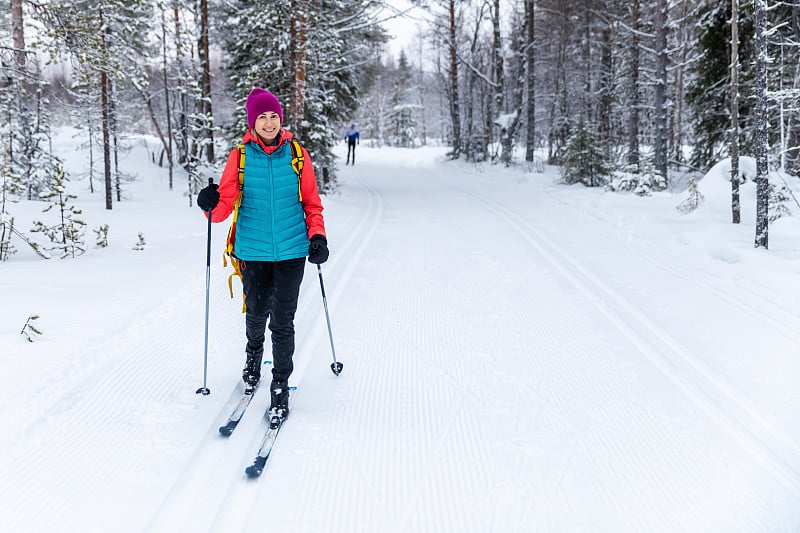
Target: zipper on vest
<point>272,206</point>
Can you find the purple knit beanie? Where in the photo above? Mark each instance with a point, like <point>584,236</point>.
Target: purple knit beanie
<point>261,101</point>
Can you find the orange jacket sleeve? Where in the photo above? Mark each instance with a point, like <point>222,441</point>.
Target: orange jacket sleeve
<point>312,204</point>
<point>228,188</point>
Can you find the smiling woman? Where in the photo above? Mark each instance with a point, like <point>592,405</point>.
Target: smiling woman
<point>269,186</point>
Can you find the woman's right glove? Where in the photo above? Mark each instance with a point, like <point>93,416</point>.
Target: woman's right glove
<point>318,250</point>
<point>208,198</point>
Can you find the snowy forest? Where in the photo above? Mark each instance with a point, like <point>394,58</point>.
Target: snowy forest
<point>620,94</point>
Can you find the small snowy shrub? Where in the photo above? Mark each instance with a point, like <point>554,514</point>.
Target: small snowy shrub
<point>30,331</point>
<point>102,236</point>
<point>139,246</point>
<point>778,197</point>
<point>693,201</point>
<point>66,235</point>
<point>642,183</point>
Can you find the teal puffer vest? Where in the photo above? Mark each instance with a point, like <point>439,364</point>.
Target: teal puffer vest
<point>271,225</point>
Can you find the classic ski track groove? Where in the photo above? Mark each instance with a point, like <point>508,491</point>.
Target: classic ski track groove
<point>236,452</point>
<point>394,435</point>
<point>707,390</point>
<point>80,430</point>
<point>711,284</point>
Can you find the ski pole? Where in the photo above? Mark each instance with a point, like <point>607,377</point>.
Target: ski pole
<point>336,367</point>
<point>204,390</point>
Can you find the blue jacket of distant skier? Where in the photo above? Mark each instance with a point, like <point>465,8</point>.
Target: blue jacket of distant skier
<point>352,135</point>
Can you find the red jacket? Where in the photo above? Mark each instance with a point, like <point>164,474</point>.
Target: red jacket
<point>229,186</point>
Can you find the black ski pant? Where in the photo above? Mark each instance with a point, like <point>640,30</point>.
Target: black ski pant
<point>351,145</point>
<point>271,290</point>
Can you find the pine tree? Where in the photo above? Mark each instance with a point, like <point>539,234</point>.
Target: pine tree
<point>334,48</point>
<point>584,157</point>
<point>401,119</point>
<point>779,196</point>
<point>67,235</point>
<point>694,199</point>
<point>107,39</point>
<point>709,89</point>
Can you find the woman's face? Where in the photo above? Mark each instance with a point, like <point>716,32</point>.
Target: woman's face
<point>267,126</point>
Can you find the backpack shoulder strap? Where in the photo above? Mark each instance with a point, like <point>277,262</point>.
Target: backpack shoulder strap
<point>297,163</point>
<point>232,231</point>
<point>241,168</point>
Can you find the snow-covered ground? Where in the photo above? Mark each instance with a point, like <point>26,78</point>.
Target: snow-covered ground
<point>519,355</point>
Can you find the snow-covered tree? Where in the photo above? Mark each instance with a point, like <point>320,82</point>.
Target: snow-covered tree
<point>66,236</point>
<point>401,118</point>
<point>708,93</point>
<point>584,158</point>
<point>693,200</point>
<point>779,197</point>
<point>106,39</point>
<point>317,79</point>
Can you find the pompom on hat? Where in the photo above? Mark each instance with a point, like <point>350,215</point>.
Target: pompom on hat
<point>261,101</point>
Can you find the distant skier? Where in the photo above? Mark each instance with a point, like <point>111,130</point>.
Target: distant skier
<point>276,224</point>
<point>351,137</point>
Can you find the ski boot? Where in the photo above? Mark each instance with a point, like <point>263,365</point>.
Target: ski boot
<point>251,374</point>
<point>279,405</point>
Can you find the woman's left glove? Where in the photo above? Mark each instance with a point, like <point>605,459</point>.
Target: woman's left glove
<point>318,250</point>
<point>208,198</point>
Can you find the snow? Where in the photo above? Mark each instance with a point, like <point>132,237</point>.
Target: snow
<point>519,355</point>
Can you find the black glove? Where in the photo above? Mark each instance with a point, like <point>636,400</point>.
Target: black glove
<point>208,198</point>
<point>318,250</point>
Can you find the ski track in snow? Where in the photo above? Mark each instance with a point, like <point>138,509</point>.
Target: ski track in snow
<point>468,401</point>
<point>778,453</point>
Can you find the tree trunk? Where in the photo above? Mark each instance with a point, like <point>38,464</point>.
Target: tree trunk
<point>113,130</point>
<point>18,35</point>
<point>496,102</point>
<point>661,118</point>
<point>735,203</point>
<point>167,104</point>
<point>676,123</point>
<point>454,110</point>
<point>606,88</point>
<point>516,103</point>
<point>762,141</point>
<point>298,59</point>
<point>205,61</point>
<point>530,78</point>
<point>633,88</point>
<point>106,140</point>
<point>105,115</point>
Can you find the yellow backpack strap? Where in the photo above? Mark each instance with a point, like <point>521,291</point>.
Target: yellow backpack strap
<point>297,163</point>
<point>232,232</point>
<point>237,271</point>
<point>241,168</point>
